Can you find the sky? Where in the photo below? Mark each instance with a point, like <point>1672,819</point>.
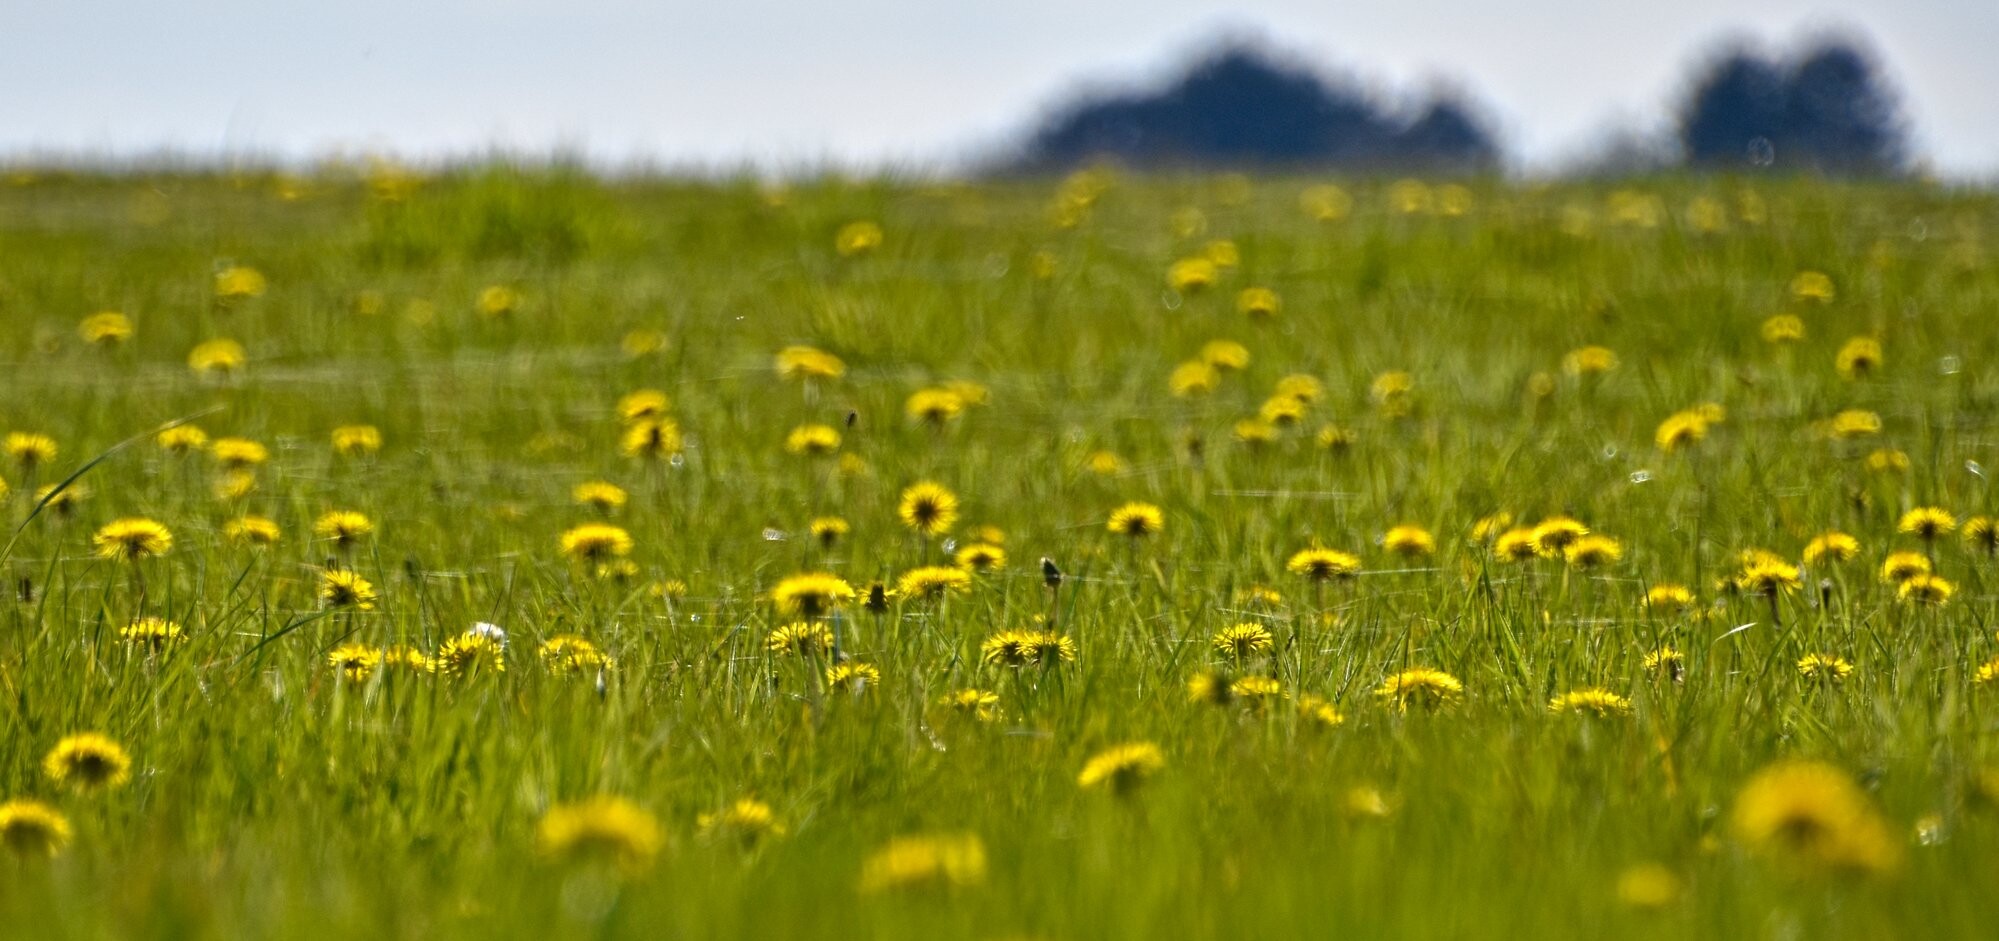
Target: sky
<point>915,84</point>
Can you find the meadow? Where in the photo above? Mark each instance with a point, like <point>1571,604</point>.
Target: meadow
<point>516,552</point>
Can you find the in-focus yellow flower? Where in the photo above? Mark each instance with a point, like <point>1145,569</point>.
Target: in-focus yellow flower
<point>1899,567</point>
<point>87,761</point>
<point>601,829</point>
<point>1666,661</point>
<point>811,595</point>
<point>132,539</point>
<point>1322,565</point>
<point>30,828</point>
<point>852,676</point>
<point>1769,578</point>
<point>1553,536</point>
<point>1927,523</point>
<point>1824,667</point>
<point>217,357</point>
<point>1122,768</point>
<point>470,653</point>
<point>1243,641</point>
<point>801,639</point>
<point>1420,686</point>
<point>928,508</point>
<point>568,654</point>
<point>596,542</point>
<point>154,634</point>
<point>109,328</point>
<point>927,861</point>
<point>1926,589</point>
<point>1028,648</point>
<point>1137,520</point>
<point>1812,816</point>
<point>356,440</point>
<point>341,588</point>
<point>1515,545</point>
<point>1593,551</point>
<point>354,662</point>
<point>1595,701</point>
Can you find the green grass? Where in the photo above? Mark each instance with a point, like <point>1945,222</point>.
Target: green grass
<point>268,799</point>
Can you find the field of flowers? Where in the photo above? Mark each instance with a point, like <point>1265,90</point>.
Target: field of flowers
<point>509,553</point>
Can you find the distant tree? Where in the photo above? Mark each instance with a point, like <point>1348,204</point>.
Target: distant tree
<point>1243,107</point>
<point>1828,112</point>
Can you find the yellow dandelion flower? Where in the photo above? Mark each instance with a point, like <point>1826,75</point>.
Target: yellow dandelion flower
<point>1193,378</point>
<point>852,676</point>
<point>87,761</point>
<point>355,663</point>
<point>154,634</point>
<point>1812,286</point>
<point>1319,711</point>
<point>651,439</point>
<point>1648,886</point>
<point>933,406</point>
<point>807,363</point>
<point>340,588</point>
<point>1304,388</point>
<point>1137,520</point>
<point>356,440</point>
<point>1981,534</point>
<point>30,828</point>
<point>857,238</point>
<point>1335,439</point>
<point>343,528</point>
<point>1859,358</point>
<point>811,595</point>
<point>181,439</point>
<point>1515,545</point>
<point>239,282</point>
<point>1281,411</point>
<point>600,495</point>
<point>1927,523</point>
<point>745,819</point>
<point>1811,815</point>
<point>1589,361</point>
<point>812,440</point>
<point>1122,768</point>
<point>470,653</point>
<point>238,453</point>
<point>983,705</point>
<point>1258,303</point>
<point>29,450</point>
<point>1668,598</point>
<point>132,539</point>
<point>926,861</point>
<point>1899,567</point>
<point>1192,275</point>
<point>1409,541</point>
<point>1420,686</point>
<point>928,508</point>
<point>1769,578</point>
<point>828,530</point>
<point>933,582</point>
<point>1824,667</point>
<point>108,328</point>
<point>1554,535</point>
<point>642,404</point>
<point>1680,430</point>
<point>1832,547</point>
<point>569,654</point>
<point>1783,329</point>
<point>1593,551</point>
<point>218,357</point>
<point>1225,355</point>
<point>1666,661</point>
<point>801,639</point>
<point>497,300</point>
<point>596,542</point>
<point>1926,589</point>
<point>1595,701</point>
<point>1243,641</point>
<point>980,557</point>
<point>255,531</point>
<point>1322,565</point>
<point>601,829</point>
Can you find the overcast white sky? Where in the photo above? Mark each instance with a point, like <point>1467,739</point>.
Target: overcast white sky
<point>868,81</point>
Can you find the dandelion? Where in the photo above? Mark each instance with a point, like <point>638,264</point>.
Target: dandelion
<point>827,531</point>
<point>1192,275</point>
<point>1409,541</point>
<point>1769,578</point>
<point>1668,598</point>
<point>468,654</point>
<point>980,704</point>
<point>1824,668</point>
<point>1589,361</point>
<point>218,357</point>
<point>1255,432</point>
<point>1193,378</point>
<point>1105,463</point>
<point>1137,520</point>
<point>108,328</point>
<point>239,282</point>
<point>154,634</point>
<point>1120,769</point>
<point>1927,523</point>
<point>1281,411</point>
<point>28,450</point>
<point>800,639</point>
<point>1783,329</point>
<point>601,829</point>
<point>1225,355</point>
<point>746,820</point>
<point>807,363</point>
<point>1208,688</point>
<point>651,439</point>
<point>340,588</point>
<point>1553,536</point>
<point>354,663</point>
<point>1515,545</point>
<point>857,238</point>
<point>933,407</point>
<point>596,542</point>
<point>1812,286</point>
<point>1666,661</point>
<point>980,557</point>
<point>1593,551</point>
<point>812,440</point>
<point>811,595</point>
<point>1859,358</point>
<point>643,404</point>
<point>1319,711</point>
<point>254,531</point>
<point>1594,701</point>
<point>928,508</point>
<point>569,654</point>
<point>497,300</point>
<point>1323,565</point>
<point>1305,389</point>
<point>238,453</point>
<point>1334,439</point>
<point>356,440</point>
<point>1258,303</point>
<point>181,439</point>
<point>603,496</point>
<point>1811,815</point>
<point>30,828</point>
<point>1420,686</point>
<point>1242,641</point>
<point>1981,534</point>
<point>1899,567</point>
<point>1680,430</point>
<point>61,502</point>
<point>1831,546</point>
<point>1887,462</point>
<point>853,676</point>
<point>343,528</point>
<point>1925,589</point>
<point>927,861</point>
<point>132,539</point>
<point>1986,675</point>
<point>87,761</point>
<point>1027,648</point>
<point>1855,423</point>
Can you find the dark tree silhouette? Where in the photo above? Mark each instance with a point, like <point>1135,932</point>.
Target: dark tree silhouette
<point>1829,111</point>
<point>1242,107</point>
